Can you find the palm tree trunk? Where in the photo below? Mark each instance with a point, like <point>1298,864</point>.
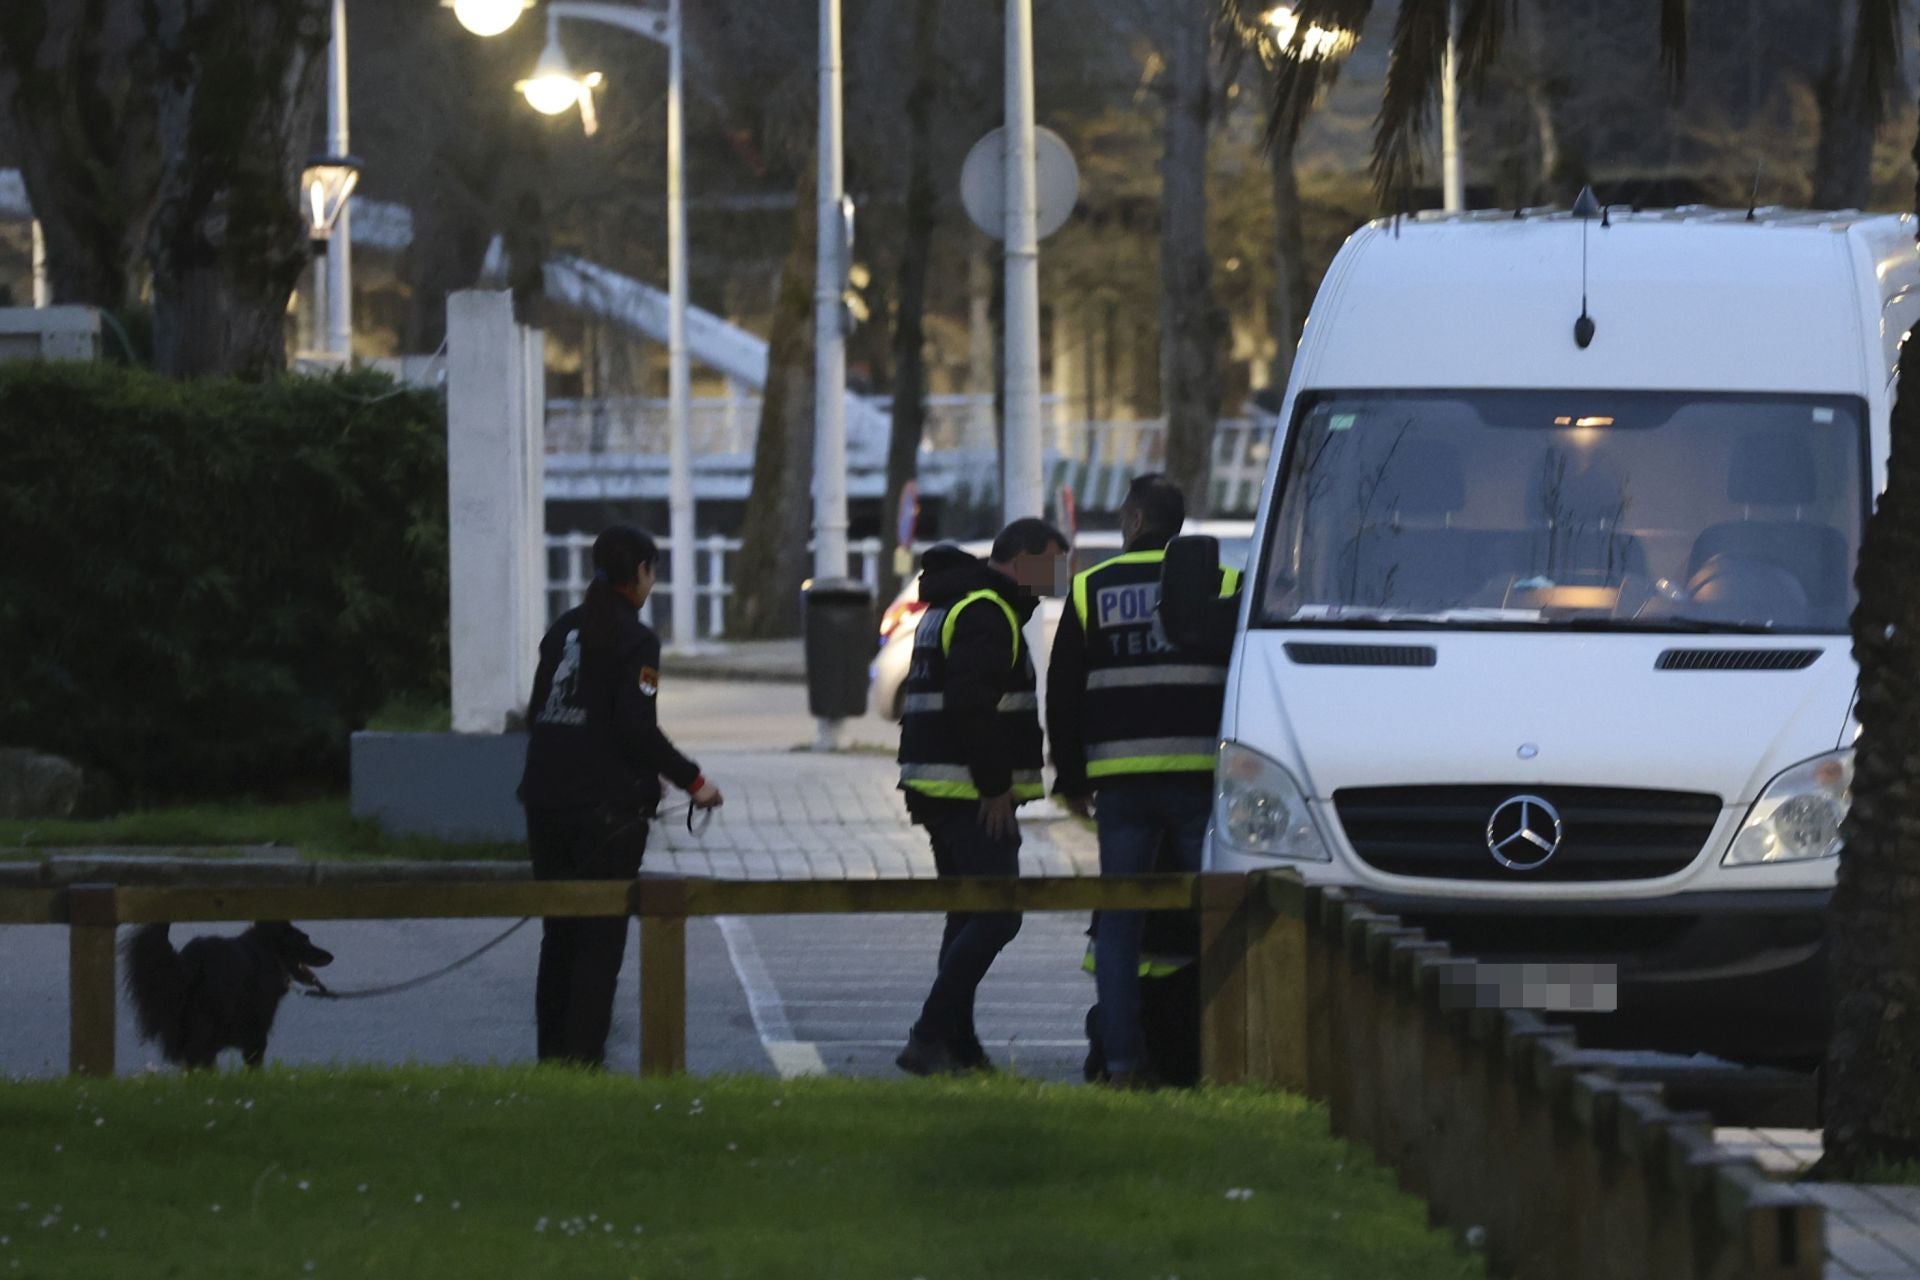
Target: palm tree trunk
<point>1872,1085</point>
<point>1843,162</point>
<point>916,256</point>
<point>773,553</point>
<point>1289,262</point>
<point>1191,325</point>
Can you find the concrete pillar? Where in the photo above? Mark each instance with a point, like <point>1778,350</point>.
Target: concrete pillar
<point>496,404</point>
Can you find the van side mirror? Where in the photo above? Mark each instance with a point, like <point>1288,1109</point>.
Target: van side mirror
<point>1192,613</point>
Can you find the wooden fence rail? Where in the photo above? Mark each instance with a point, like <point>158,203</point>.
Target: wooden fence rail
<point>1246,1037</point>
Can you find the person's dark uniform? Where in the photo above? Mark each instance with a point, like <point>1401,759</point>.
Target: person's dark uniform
<point>971,728</point>
<point>595,756</point>
<point>1169,996</point>
<point>1137,720</point>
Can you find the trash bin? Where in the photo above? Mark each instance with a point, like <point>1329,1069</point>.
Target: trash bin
<point>840,643</point>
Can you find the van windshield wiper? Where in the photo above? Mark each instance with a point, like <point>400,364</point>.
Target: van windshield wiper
<point>1522,620</point>
<point>1686,626</point>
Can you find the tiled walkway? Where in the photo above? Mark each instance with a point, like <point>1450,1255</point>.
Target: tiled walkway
<point>1872,1231</point>
<point>801,816</point>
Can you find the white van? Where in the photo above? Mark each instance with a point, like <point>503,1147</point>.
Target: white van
<point>1546,646</point>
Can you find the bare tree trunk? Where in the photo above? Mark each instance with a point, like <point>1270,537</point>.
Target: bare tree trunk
<point>1191,323</point>
<point>236,100</point>
<point>1843,162</point>
<point>1872,1084</point>
<point>773,553</point>
<point>74,79</point>
<point>916,256</point>
<point>1289,262</point>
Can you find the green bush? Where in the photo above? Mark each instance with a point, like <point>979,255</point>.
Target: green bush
<point>206,586</point>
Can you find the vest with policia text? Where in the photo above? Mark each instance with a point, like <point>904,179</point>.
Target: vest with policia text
<point>1149,707</point>
<point>933,760</point>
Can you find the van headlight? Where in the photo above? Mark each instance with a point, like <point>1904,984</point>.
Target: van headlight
<point>1799,814</point>
<point>1258,808</point>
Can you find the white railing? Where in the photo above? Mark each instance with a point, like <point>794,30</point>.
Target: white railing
<point>636,425</point>
<point>570,569</point>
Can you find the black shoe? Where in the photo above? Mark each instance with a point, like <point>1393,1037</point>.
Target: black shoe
<point>970,1055</point>
<point>924,1057</point>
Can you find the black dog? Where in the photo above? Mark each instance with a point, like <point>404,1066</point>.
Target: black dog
<point>216,993</point>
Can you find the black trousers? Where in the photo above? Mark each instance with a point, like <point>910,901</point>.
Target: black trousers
<point>580,956</point>
<point>972,939</point>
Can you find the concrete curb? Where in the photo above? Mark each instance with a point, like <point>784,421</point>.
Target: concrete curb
<point>61,872</point>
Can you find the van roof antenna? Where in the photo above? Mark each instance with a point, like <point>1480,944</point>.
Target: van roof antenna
<point>1754,202</point>
<point>1586,209</point>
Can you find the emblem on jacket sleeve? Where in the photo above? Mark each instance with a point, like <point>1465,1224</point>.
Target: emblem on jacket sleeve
<point>649,681</point>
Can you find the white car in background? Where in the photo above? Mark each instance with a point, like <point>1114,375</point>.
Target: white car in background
<point>889,670</point>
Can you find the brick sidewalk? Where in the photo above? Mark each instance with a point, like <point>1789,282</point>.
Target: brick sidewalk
<point>800,816</point>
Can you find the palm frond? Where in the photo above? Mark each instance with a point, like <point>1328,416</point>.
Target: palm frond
<point>1675,19</point>
<point>1301,71</point>
<point>1482,33</point>
<point>1414,67</point>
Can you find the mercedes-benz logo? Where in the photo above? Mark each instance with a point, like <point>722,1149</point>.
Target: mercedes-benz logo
<point>1523,833</point>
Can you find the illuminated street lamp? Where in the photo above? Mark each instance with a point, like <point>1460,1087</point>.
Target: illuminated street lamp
<point>554,87</point>
<point>325,184</point>
<point>1316,43</point>
<point>488,17</point>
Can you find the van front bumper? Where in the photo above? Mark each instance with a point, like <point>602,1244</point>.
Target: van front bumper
<point>1741,975</point>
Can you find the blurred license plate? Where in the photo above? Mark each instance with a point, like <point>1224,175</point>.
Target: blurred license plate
<point>1543,986</point>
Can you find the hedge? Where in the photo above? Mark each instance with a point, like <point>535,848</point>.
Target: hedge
<point>206,586</point>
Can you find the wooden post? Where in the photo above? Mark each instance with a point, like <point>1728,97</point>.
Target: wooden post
<point>1277,1019</point>
<point>662,907</point>
<point>1223,978</point>
<point>91,921</point>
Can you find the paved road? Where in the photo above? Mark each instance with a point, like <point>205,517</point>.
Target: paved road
<point>790,995</point>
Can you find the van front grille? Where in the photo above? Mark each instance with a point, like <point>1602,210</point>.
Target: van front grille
<point>1606,833</point>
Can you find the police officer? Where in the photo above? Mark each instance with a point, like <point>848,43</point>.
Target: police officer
<point>595,756</point>
<point>970,752</point>
<point>1137,721</point>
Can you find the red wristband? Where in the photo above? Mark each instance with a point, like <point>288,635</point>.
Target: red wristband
<point>698,785</point>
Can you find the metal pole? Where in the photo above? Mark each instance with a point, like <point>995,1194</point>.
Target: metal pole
<point>1021,493</point>
<point>680,522</point>
<point>1454,195</point>
<point>339,342</point>
<point>830,354</point>
<point>42,293</point>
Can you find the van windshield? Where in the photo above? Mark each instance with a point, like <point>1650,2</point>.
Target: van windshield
<point>1641,510</point>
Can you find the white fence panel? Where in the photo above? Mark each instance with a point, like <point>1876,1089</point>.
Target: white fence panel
<point>570,570</point>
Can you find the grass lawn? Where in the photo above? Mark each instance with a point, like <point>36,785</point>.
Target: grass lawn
<point>520,1172</point>
<point>318,828</point>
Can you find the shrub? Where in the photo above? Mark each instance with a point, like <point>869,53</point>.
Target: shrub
<point>205,586</point>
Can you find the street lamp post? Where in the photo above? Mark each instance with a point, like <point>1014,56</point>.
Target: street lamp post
<point>829,344</point>
<point>548,92</point>
<point>339,342</point>
<point>1020,482</point>
<point>1453,190</point>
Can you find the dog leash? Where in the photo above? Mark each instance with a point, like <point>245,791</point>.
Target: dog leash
<point>319,990</point>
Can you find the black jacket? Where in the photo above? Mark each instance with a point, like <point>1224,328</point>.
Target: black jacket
<point>979,664</point>
<point>594,732</point>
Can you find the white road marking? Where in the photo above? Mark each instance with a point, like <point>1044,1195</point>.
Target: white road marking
<point>790,1057</point>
